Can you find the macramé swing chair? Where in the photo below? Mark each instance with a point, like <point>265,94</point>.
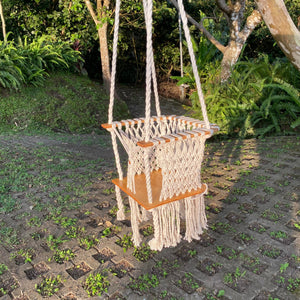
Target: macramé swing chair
<point>164,156</point>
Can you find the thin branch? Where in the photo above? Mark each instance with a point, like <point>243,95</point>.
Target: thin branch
<point>224,7</point>
<point>91,10</point>
<point>207,34</point>
<point>252,21</point>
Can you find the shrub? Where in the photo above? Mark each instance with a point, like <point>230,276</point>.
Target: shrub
<point>260,98</point>
<point>29,63</point>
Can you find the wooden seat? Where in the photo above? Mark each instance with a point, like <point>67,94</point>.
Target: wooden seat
<point>156,184</point>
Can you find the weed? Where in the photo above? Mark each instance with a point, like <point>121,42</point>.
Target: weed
<point>283,267</point>
<point>125,242</point>
<point>88,242</point>
<point>278,234</point>
<point>3,269</point>
<point>109,231</point>
<point>23,255</point>
<point>148,230</point>
<point>293,284</point>
<point>232,278</point>
<point>113,211</point>
<point>64,222</point>
<point>143,253</point>
<point>34,222</point>
<point>240,191</point>
<point>297,225</point>
<point>271,215</point>
<point>60,256</point>
<point>144,282</point>
<point>96,284</point>
<point>53,242</point>
<point>269,190</point>
<point>74,232</point>
<point>49,286</point>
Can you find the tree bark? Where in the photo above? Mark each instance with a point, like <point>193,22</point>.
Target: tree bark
<point>282,28</point>
<point>102,6</point>
<point>234,13</point>
<point>3,22</point>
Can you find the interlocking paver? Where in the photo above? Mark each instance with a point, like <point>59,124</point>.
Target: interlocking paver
<point>249,251</point>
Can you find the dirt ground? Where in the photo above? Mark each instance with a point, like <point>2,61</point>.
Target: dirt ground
<point>58,221</point>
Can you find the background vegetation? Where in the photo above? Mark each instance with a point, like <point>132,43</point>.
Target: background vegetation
<point>46,37</point>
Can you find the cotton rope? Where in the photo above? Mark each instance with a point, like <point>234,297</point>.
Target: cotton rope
<point>193,61</point>
<point>180,159</point>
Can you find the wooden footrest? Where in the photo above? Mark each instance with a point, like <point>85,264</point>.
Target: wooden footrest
<point>156,184</point>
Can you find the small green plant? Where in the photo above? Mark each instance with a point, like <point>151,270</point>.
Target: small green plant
<point>23,255</point>
<point>3,269</point>
<point>109,231</point>
<point>53,242</point>
<point>278,234</point>
<point>34,221</point>
<point>88,242</point>
<point>113,211</point>
<point>148,230</point>
<point>143,253</point>
<point>144,282</point>
<point>283,267</point>
<point>60,256</point>
<point>232,278</point>
<point>74,232</point>
<point>297,225</point>
<point>49,286</point>
<point>125,242</point>
<point>293,284</point>
<point>192,253</point>
<point>64,222</point>
<point>96,284</point>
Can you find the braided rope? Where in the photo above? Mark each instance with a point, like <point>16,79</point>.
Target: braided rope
<point>193,61</point>
<point>114,62</point>
<point>148,20</point>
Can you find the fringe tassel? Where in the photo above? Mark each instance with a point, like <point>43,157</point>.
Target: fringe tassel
<point>195,217</point>
<point>135,218</point>
<point>166,221</point>
<point>120,213</point>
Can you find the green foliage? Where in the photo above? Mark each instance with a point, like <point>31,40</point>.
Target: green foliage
<point>144,282</point>
<point>96,284</point>
<point>260,98</point>
<point>28,63</point>
<point>143,253</point>
<point>49,286</point>
<point>60,256</point>
<point>3,268</point>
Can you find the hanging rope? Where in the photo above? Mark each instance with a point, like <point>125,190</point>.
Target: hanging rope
<point>114,62</point>
<point>193,61</point>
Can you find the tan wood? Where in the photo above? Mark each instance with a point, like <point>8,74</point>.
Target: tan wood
<point>107,125</point>
<point>145,144</point>
<point>156,183</point>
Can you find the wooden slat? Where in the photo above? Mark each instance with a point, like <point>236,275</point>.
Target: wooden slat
<point>156,183</point>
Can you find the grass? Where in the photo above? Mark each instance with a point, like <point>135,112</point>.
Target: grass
<point>65,103</point>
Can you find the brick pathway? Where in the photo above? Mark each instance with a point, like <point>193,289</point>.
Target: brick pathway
<point>250,250</point>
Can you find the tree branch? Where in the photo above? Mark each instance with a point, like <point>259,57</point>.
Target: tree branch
<point>207,34</point>
<point>224,7</point>
<point>91,10</point>
<point>252,21</point>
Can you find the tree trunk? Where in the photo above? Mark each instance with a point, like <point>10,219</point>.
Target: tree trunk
<point>104,55</point>
<point>3,22</point>
<point>282,28</point>
<point>97,15</point>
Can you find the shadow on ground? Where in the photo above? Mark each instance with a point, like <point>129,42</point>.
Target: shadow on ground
<point>58,225</point>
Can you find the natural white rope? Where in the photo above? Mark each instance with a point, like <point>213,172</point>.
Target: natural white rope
<point>114,62</point>
<point>193,61</point>
<point>148,20</point>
